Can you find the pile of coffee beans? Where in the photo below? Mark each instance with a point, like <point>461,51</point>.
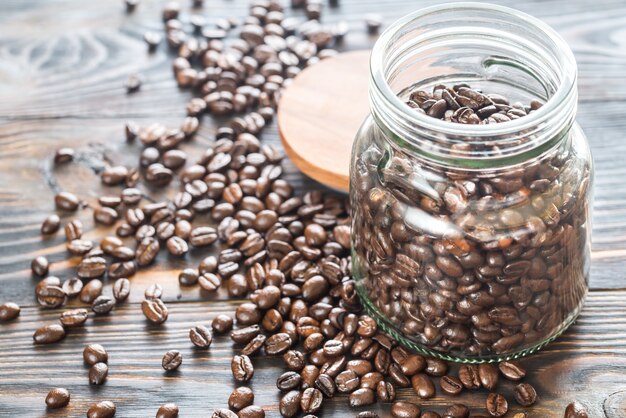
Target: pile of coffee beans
<point>469,262</point>
<point>287,254</point>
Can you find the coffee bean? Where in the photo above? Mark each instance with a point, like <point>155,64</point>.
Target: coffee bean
<point>172,360</point>
<point>51,296</point>
<point>147,251</point>
<point>311,400</point>
<point>50,225</point>
<point>294,360</point>
<point>403,409</point>
<point>49,334</point>
<point>385,392</point>
<point>58,398</point>
<point>240,398</point>
<point>95,353</point>
<point>73,230</point>
<point>103,409</point>
<point>289,404</point>
<point>469,376</point>
<point>451,385</point>
<point>98,373</point>
<point>73,318</point>
<point>9,311</point>
<point>362,397</point>
<point>223,413</point>
<point>222,323</point>
<point>40,266</point>
<point>347,381</point>
<point>168,410</point>
<point>72,287</point>
<point>177,246</point>
<point>251,411</point>
<point>512,370</point>
<point>154,291</point>
<point>456,411</point>
<point>576,410</point>
<point>91,267</point>
<point>496,404</point>
<point>201,336</point>
<point>91,291</point>
<point>209,282</point>
<point>245,335</point>
<point>488,375</point>
<point>188,277</point>
<point>288,381</point>
<point>525,394</point>
<point>154,310</point>
<point>242,368</point>
<point>105,216</point>
<point>66,201</point>
<point>423,386</point>
<point>121,289</point>
<point>102,305</point>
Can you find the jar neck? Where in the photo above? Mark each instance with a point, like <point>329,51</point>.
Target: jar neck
<point>497,49</point>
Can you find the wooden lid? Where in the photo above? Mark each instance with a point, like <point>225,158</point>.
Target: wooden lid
<point>320,113</point>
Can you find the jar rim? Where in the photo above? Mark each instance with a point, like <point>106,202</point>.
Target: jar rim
<point>554,105</point>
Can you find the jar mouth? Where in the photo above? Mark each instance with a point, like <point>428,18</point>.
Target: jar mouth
<point>432,28</point>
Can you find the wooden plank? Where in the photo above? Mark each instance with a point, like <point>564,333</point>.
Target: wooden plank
<point>77,65</point>
<point>591,354</point>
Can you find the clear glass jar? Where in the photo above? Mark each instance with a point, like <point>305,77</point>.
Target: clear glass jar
<point>471,242</point>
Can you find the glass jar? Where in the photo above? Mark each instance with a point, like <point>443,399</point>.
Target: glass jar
<point>471,241</point>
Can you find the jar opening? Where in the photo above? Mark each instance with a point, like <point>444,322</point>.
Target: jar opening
<point>493,48</point>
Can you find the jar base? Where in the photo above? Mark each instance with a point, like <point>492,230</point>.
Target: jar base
<point>390,329</point>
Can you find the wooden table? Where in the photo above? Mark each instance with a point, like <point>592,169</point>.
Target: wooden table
<point>63,64</point>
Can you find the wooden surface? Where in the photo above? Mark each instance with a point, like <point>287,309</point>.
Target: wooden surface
<point>63,64</point>
<point>320,113</point>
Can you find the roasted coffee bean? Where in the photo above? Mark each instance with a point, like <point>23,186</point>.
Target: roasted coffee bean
<point>177,246</point>
<point>362,397</point>
<point>210,282</point>
<point>309,374</point>
<point>254,346</point>
<point>294,360</point>
<point>289,404</point>
<point>98,373</point>
<point>73,230</point>
<point>50,225</point>
<point>201,336</point>
<point>79,246</point>
<point>72,287</point>
<point>469,376</point>
<point>49,334</point>
<point>347,381</point>
<point>154,310</point>
<point>223,413</point>
<point>66,201</point>
<point>9,311</point>
<point>63,155</point>
<point>423,386</point>
<point>102,305</point>
<point>288,381</point>
<point>73,318</point>
<point>58,398</point>
<point>40,266</point>
<point>91,267</point>
<point>385,392</point>
<point>188,277</point>
<point>240,398</point>
<point>103,409</point>
<point>154,291</point>
<point>512,370</point>
<point>168,410</point>
<point>147,251</point>
<point>95,353</point>
<point>91,291</point>
<point>451,385</point>
<point>252,411</point>
<point>325,384</point>
<point>172,360</point>
<point>105,216</point>
<point>576,410</point>
<point>222,323</point>
<point>51,296</point>
<point>121,289</point>
<point>242,368</point>
<point>432,414</point>
<point>525,394</point>
<point>403,409</point>
<point>488,375</point>
<point>496,405</point>
<point>456,410</point>
<point>245,335</point>
<point>311,400</point>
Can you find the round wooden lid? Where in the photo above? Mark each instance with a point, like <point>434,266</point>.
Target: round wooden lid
<point>320,113</point>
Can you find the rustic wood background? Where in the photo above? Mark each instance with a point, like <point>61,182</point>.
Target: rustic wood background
<point>63,64</point>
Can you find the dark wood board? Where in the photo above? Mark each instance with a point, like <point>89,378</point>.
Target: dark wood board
<point>63,64</point>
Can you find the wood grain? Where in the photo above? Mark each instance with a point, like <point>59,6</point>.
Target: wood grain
<point>62,69</point>
<point>591,354</point>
